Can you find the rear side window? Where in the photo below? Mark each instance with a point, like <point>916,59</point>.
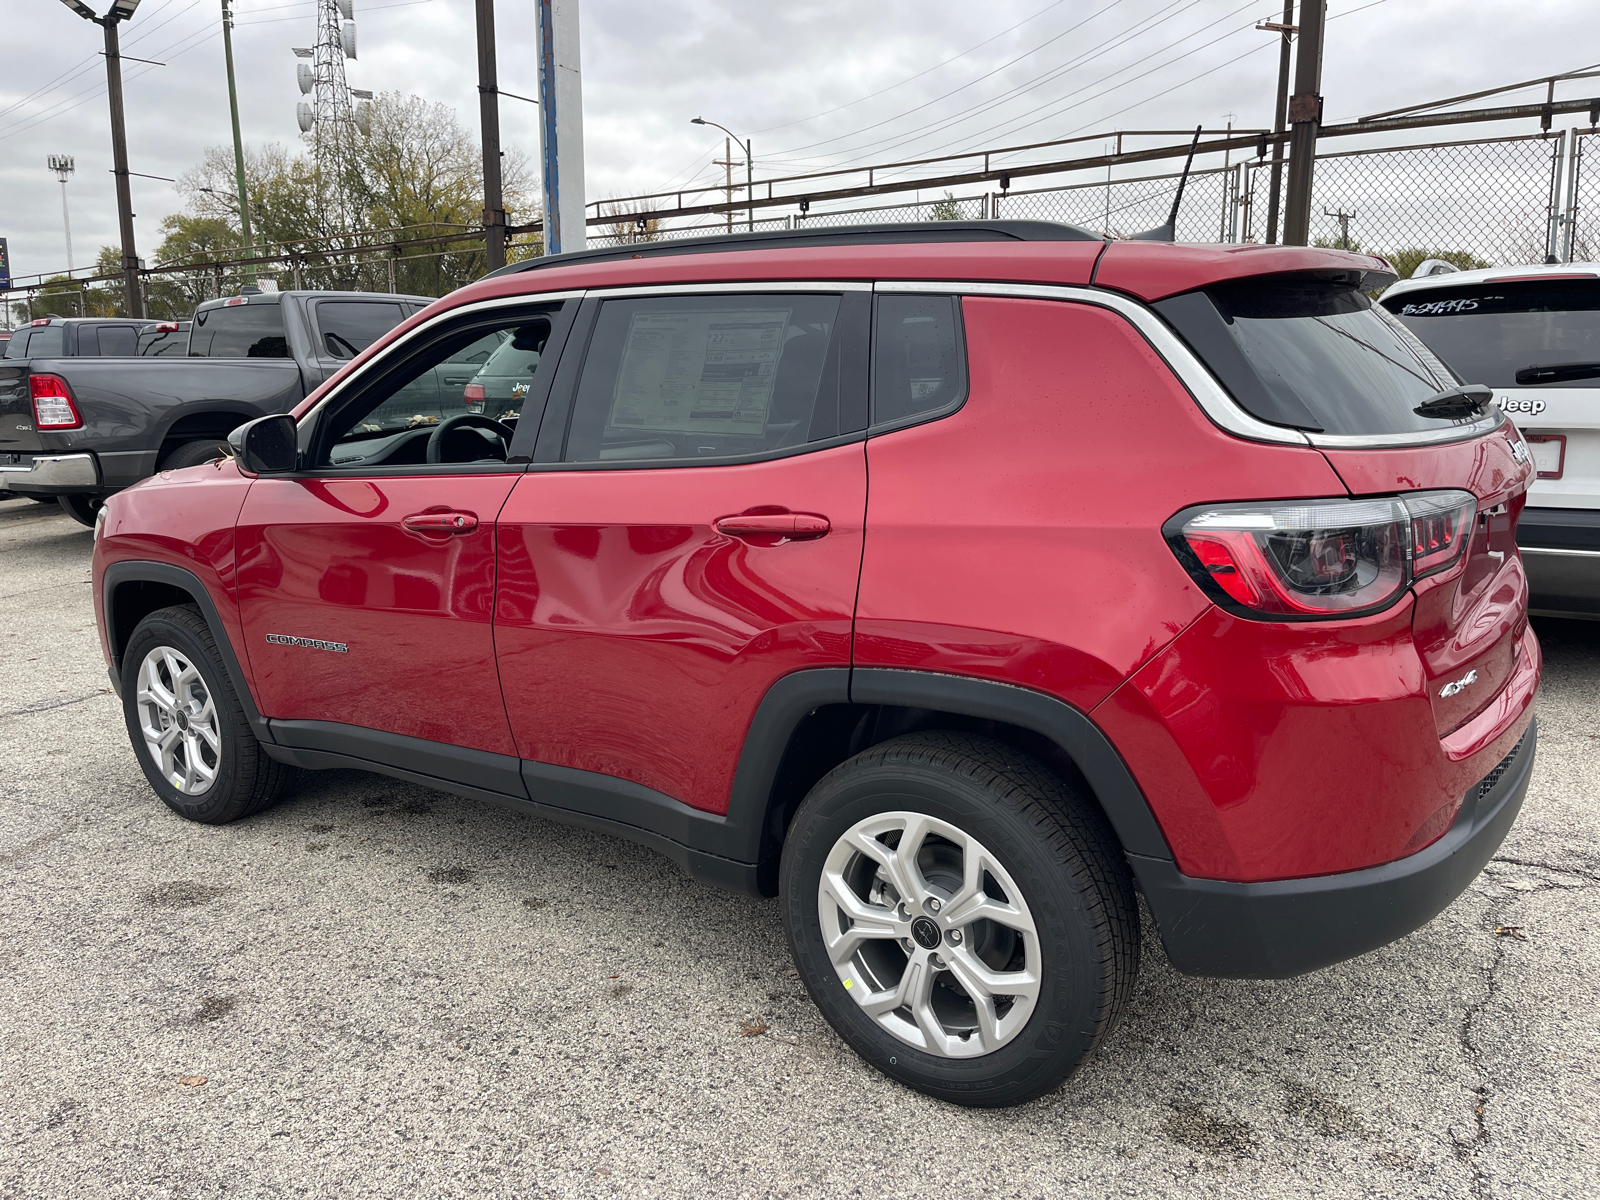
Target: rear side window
<point>350,326</point>
<point>1312,353</point>
<point>17,347</point>
<point>117,340</point>
<point>1490,331</point>
<point>918,367</point>
<point>696,377</point>
<point>243,331</point>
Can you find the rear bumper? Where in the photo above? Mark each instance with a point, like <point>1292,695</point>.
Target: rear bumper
<point>48,474</point>
<point>1288,927</point>
<point>1561,554</point>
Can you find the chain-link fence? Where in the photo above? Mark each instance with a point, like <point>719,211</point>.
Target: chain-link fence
<point>1584,198</point>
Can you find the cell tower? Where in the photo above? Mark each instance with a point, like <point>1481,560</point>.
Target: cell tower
<point>322,78</point>
<point>64,165</point>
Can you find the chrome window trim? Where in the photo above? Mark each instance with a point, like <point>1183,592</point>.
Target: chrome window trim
<point>353,379</point>
<point>1214,400</point>
<point>753,286</point>
<point>1565,553</point>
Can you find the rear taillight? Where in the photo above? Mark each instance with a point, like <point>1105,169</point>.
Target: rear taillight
<point>1320,558</point>
<point>474,397</point>
<point>52,403</point>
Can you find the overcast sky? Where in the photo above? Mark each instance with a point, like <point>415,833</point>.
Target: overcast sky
<point>810,81</point>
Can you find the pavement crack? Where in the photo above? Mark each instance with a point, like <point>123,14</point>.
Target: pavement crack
<point>28,712</point>
<point>1585,873</point>
<point>44,839</point>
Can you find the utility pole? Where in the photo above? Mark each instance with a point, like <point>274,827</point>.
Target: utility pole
<point>238,143</point>
<point>726,162</point>
<point>1286,32</point>
<point>120,10</point>
<point>64,165</point>
<point>561,126</point>
<point>1305,116</point>
<point>1344,219</point>
<point>494,216</point>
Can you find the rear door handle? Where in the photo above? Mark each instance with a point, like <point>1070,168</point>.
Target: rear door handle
<point>797,527</point>
<point>447,521</point>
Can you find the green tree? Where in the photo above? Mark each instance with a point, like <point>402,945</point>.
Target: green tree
<point>948,209</point>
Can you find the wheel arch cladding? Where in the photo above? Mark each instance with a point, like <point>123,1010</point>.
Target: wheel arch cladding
<point>133,589</point>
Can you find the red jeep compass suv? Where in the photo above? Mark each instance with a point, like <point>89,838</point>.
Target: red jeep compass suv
<point>954,583</point>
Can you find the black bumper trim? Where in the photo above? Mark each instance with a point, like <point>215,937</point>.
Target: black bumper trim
<point>1289,927</point>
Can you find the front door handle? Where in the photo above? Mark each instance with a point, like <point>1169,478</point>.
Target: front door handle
<point>797,527</point>
<point>441,521</point>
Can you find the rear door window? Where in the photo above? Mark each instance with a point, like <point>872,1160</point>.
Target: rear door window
<point>918,368</point>
<point>707,377</point>
<point>17,347</point>
<point>348,327</point>
<point>1490,331</point>
<point>47,341</point>
<point>242,331</point>
<point>1312,353</point>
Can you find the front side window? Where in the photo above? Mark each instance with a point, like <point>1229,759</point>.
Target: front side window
<point>441,389</point>
<point>1490,331</point>
<point>349,326</point>
<point>240,331</point>
<point>705,377</point>
<point>917,365</point>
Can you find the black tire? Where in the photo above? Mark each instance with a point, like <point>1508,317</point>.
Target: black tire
<point>246,779</point>
<point>192,454</point>
<point>1064,859</point>
<point>82,509</point>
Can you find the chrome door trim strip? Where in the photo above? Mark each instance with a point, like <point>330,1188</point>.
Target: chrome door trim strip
<point>762,286</point>
<point>1566,553</point>
<point>1214,400</point>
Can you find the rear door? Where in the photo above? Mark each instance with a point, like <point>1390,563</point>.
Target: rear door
<point>689,533</point>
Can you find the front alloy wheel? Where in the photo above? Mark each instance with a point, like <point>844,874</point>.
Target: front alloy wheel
<point>179,721</point>
<point>929,934</point>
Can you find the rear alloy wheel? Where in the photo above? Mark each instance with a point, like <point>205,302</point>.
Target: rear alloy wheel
<point>961,916</point>
<point>187,727</point>
<point>193,454</point>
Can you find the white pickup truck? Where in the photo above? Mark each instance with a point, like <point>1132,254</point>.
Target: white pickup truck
<point>1533,335</point>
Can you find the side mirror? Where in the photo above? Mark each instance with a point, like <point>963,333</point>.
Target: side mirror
<point>267,445</point>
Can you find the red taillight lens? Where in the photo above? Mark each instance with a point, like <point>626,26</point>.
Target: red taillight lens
<point>474,397</point>
<point>1321,558</point>
<point>52,403</point>
<point>167,327</point>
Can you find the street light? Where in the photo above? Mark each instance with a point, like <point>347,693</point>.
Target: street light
<point>749,169</point>
<point>119,11</point>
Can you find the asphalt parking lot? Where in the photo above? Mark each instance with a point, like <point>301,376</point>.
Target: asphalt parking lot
<point>390,991</point>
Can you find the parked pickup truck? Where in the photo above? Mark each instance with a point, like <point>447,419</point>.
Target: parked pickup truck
<point>76,337</point>
<point>80,428</point>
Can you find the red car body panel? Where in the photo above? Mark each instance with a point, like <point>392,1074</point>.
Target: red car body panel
<point>185,518</point>
<point>636,640</point>
<point>330,559</point>
<point>1090,590</point>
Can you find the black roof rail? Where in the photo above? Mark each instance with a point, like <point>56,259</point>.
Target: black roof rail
<point>898,233</point>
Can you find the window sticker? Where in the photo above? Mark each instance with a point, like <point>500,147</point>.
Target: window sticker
<point>699,372</point>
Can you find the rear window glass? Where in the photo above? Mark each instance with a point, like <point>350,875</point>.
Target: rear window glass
<point>1312,354</point>
<point>350,326</point>
<point>47,341</point>
<point>243,331</point>
<point>17,347</point>
<point>1490,331</point>
<point>117,340</point>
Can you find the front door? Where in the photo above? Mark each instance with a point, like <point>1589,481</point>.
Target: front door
<point>690,532</point>
<point>366,579</point>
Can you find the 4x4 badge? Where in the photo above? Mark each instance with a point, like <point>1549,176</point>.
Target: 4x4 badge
<point>1459,685</point>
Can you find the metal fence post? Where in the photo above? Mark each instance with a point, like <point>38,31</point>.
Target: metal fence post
<point>1569,239</point>
<point>1553,214</point>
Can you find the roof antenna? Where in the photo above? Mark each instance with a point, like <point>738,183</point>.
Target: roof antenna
<point>1169,231</point>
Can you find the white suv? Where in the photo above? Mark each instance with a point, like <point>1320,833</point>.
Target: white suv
<point>1533,335</point>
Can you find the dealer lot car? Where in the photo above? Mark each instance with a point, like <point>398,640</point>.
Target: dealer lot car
<point>1533,335</point>
<point>953,583</point>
